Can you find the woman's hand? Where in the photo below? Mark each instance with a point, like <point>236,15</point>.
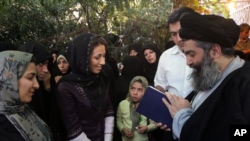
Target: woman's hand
<point>127,132</point>
<point>141,129</point>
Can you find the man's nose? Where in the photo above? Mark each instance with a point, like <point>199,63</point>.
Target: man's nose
<point>178,37</point>
<point>189,61</point>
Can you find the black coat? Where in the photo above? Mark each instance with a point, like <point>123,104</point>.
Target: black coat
<point>228,104</point>
<point>8,132</point>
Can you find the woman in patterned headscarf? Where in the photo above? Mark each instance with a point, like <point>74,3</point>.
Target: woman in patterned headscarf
<point>132,125</point>
<point>17,86</point>
<point>83,95</point>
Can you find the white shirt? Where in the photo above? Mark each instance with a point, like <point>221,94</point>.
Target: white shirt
<point>173,74</point>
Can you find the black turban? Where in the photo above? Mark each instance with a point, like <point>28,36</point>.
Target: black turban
<point>200,27</point>
<point>229,26</point>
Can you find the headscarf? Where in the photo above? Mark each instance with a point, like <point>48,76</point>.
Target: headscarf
<point>198,27</point>
<point>135,46</point>
<point>132,66</point>
<point>150,69</point>
<point>79,53</point>
<point>135,117</point>
<point>61,56</point>
<point>40,52</point>
<point>64,56</point>
<point>7,45</point>
<point>12,66</point>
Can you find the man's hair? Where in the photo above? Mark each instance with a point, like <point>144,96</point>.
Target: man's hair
<point>244,26</point>
<point>206,46</point>
<point>176,14</point>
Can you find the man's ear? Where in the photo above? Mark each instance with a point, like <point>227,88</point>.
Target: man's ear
<point>215,51</point>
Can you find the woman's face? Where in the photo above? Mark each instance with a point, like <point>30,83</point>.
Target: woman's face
<point>97,58</point>
<point>27,84</point>
<point>136,92</point>
<point>63,65</point>
<point>133,53</point>
<point>150,55</point>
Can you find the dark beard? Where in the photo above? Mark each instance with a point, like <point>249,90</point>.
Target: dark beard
<point>206,74</point>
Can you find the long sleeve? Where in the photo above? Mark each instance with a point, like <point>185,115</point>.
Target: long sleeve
<point>81,137</point>
<point>109,128</point>
<point>68,110</point>
<point>119,118</point>
<point>151,126</point>
<point>160,73</point>
<point>179,120</point>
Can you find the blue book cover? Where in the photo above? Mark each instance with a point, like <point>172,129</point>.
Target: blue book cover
<point>152,107</point>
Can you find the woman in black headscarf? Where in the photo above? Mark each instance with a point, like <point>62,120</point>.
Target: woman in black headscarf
<point>134,49</point>
<point>62,68</point>
<point>83,94</point>
<point>151,58</point>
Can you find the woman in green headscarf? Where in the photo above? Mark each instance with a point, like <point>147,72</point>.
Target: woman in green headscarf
<point>132,125</point>
<point>17,86</point>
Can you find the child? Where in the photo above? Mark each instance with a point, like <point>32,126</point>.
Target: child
<point>132,125</point>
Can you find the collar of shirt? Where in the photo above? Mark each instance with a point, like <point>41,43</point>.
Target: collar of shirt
<point>176,50</point>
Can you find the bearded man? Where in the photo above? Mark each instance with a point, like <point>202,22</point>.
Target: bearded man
<point>221,95</point>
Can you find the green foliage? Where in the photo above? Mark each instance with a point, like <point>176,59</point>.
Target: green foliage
<point>55,22</point>
<point>34,20</point>
<point>206,6</point>
<point>145,21</point>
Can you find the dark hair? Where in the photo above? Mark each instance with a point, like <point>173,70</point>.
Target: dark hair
<point>206,46</point>
<point>176,14</point>
<point>244,26</point>
<point>96,40</point>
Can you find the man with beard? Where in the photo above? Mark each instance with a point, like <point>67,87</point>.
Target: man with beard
<point>221,82</point>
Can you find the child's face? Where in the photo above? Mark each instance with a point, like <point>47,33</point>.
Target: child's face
<point>136,92</point>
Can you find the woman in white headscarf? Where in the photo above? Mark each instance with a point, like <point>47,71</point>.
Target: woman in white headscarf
<point>17,86</point>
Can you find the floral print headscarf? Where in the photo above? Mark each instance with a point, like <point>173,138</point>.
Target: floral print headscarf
<point>12,66</point>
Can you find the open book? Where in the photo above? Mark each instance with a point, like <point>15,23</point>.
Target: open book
<point>152,107</point>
